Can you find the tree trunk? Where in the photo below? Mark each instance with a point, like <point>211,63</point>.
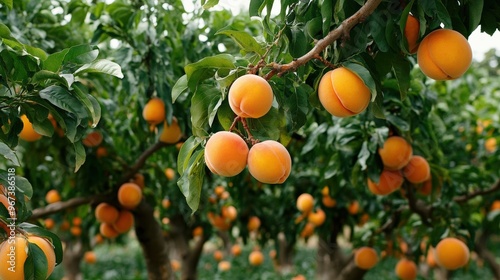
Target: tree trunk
<point>285,255</point>
<point>190,256</point>
<point>486,255</point>
<point>155,249</point>
<point>73,254</point>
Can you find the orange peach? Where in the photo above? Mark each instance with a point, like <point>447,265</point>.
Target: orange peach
<point>226,154</point>
<point>444,54</point>
<point>365,258</point>
<point>343,93</point>
<point>172,133</point>
<point>412,29</point>
<point>154,111</point>
<point>129,195</point>
<point>269,162</point>
<point>317,218</point>
<point>28,132</point>
<point>389,182</point>
<point>395,153</point>
<point>406,270</point>
<point>305,203</point>
<point>250,96</point>
<point>417,170</point>
<point>451,253</point>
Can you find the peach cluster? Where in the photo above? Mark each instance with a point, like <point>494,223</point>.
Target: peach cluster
<point>443,54</point>
<point>399,163</point>
<point>315,218</point>
<point>227,154</point>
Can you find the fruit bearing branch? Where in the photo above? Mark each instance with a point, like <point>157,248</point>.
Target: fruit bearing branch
<point>339,32</point>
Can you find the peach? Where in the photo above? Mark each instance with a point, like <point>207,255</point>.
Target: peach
<point>28,132</point>
<point>444,54</point>
<point>108,231</point>
<point>154,111</point>
<point>317,218</point>
<point>93,139</point>
<point>328,201</point>
<point>172,133</point>
<point>47,249</point>
<point>226,154</point>
<point>21,252</point>
<point>305,203</point>
<point>52,196</point>
<point>406,269</point>
<point>129,195</point>
<point>353,208</point>
<point>451,253</point>
<point>224,266</point>
<point>106,213</point>
<point>395,153</point>
<point>250,96</point>
<point>343,93</point>
<point>253,223</point>
<point>124,222</point>
<point>412,29</point>
<point>389,182</point>
<point>256,258</point>
<point>269,162</point>
<point>365,258</point>
<point>417,170</point>
<point>308,230</point>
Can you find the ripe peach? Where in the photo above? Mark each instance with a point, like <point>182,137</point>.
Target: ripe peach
<point>154,111</point>
<point>451,253</point>
<point>328,201</point>
<point>218,255</point>
<point>365,258</point>
<point>76,230</point>
<point>305,203</point>
<point>90,257</point>
<point>106,213</point>
<point>172,133</point>
<point>256,258</point>
<point>236,250</point>
<point>129,195</point>
<point>253,223</point>
<point>175,264</point>
<point>139,180</point>
<point>224,266</point>
<point>343,93</point>
<point>317,218</point>
<point>389,182</point>
<point>444,54</point>
<point>124,222</point>
<point>229,212</point>
<point>218,221</point>
<point>170,173</point>
<point>417,170</point>
<point>406,270</point>
<point>412,29</point>
<point>269,162</point>
<point>226,154</point>
<point>490,145</point>
<point>426,187</point>
<point>28,133</point>
<point>353,208</point>
<point>107,230</point>
<point>307,231</point>
<point>495,205</point>
<point>93,139</point>
<point>21,253</point>
<point>52,196</point>
<point>197,231</point>
<point>250,96</point>
<point>395,153</point>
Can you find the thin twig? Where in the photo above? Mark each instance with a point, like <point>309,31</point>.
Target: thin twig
<point>465,198</point>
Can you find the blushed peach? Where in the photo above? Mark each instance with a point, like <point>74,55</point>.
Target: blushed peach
<point>250,96</point>
<point>269,162</point>
<point>226,154</point>
<point>395,153</point>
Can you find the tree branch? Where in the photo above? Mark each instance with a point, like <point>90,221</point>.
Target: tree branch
<point>337,33</point>
<point>63,205</point>
<point>418,206</point>
<point>141,161</point>
<point>481,249</point>
<point>465,198</point>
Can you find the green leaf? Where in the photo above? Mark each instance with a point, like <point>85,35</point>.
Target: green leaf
<point>326,15</point>
<point>90,103</point>
<point>9,154</point>
<point>244,40</point>
<point>81,54</point>
<point>53,238</point>
<point>363,155</point>
<point>185,153</point>
<point>180,87</point>
<point>24,186</point>
<point>401,67</point>
<point>191,181</point>
<point>475,12</point>
<point>101,66</point>
<point>204,105</point>
<point>267,126</point>
<point>209,4</point>
<point>40,263</point>
<point>225,115</point>
<point>62,98</point>
<point>443,15</point>
<point>398,122</point>
<point>8,3</point>
<point>54,61</point>
<point>365,75</point>
<point>206,68</point>
<point>44,75</point>
<point>79,155</point>
<point>255,7</point>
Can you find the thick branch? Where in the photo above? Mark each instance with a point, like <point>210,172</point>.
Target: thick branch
<point>63,205</point>
<point>483,252</point>
<point>418,206</point>
<point>139,163</point>
<point>465,198</point>
<point>342,30</point>
<point>351,271</point>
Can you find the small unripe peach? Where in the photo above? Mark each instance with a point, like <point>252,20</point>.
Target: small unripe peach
<point>250,96</point>
<point>226,154</point>
<point>343,93</point>
<point>444,54</point>
<point>269,162</point>
<point>396,153</point>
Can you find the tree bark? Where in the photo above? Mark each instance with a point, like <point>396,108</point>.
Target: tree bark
<point>285,255</point>
<point>73,255</point>
<point>483,252</point>
<point>155,249</point>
